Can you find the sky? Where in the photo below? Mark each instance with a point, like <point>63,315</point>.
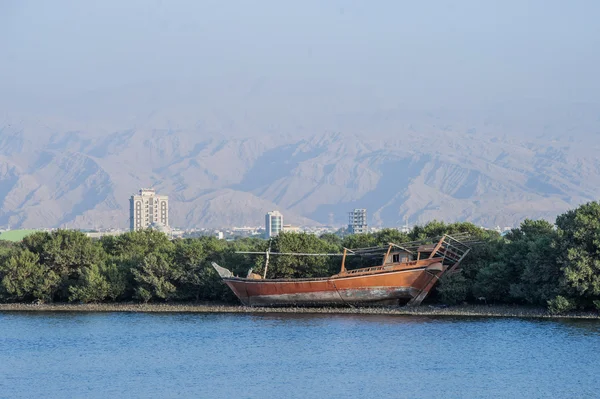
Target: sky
<point>387,52</point>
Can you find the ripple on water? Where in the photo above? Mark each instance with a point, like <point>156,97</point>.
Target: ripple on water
<point>294,356</point>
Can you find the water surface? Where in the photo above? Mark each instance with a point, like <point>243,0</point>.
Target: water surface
<point>98,355</point>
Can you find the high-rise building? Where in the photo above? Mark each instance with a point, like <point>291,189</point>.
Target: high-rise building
<point>273,223</point>
<point>148,209</point>
<point>357,221</point>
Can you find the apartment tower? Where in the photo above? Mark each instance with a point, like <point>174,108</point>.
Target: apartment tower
<point>273,223</point>
<point>357,221</point>
<point>147,209</point>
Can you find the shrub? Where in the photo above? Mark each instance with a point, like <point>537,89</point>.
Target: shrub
<point>453,288</point>
<point>559,305</point>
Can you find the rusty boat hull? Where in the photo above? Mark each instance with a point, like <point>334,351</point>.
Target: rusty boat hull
<point>400,283</point>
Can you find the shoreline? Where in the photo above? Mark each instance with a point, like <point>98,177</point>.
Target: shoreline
<point>425,310</point>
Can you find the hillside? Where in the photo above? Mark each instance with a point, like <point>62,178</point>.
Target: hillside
<point>80,174</point>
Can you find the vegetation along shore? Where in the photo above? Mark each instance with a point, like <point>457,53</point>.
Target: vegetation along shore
<point>539,264</point>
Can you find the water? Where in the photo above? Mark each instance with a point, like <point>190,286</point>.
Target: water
<point>100,355</point>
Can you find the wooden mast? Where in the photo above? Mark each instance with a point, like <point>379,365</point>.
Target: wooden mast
<point>343,268</point>
<point>267,260</point>
<point>387,254</point>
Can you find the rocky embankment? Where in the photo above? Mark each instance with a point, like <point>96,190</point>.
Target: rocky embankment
<point>461,310</point>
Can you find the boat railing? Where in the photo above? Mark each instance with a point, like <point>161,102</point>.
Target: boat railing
<point>381,267</point>
<point>452,251</point>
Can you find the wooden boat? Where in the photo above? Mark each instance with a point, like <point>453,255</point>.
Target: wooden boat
<point>406,274</point>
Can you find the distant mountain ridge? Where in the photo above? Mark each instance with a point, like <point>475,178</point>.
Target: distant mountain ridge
<point>52,175</point>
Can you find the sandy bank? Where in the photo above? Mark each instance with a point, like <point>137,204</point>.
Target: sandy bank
<point>462,310</point>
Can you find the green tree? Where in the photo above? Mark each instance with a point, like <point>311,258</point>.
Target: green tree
<point>560,304</point>
<point>480,256</point>
<point>92,287</point>
<point>453,288</point>
<point>522,266</point>
<point>332,239</point>
<point>540,279</point>
<point>155,278</point>
<point>494,280</point>
<point>117,277</point>
<point>385,236</point>
<point>66,253</point>
<point>35,242</point>
<point>7,249</point>
<point>193,257</point>
<point>125,256</point>
<point>288,266</point>
<point>434,228</point>
<point>23,278</point>
<point>355,241</point>
<point>578,246</point>
<point>137,244</point>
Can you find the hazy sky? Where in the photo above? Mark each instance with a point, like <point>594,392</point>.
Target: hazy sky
<point>427,52</point>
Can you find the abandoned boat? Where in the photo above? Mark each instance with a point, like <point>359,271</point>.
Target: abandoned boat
<point>407,273</point>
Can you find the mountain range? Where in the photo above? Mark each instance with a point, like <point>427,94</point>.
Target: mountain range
<point>493,166</point>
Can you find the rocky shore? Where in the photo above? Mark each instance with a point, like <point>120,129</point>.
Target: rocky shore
<point>460,310</point>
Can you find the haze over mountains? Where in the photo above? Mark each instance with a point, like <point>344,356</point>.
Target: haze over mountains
<point>421,110</point>
<point>491,168</point>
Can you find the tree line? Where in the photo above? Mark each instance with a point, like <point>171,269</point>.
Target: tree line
<point>537,263</point>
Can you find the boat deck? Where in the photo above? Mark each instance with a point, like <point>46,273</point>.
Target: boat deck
<point>349,273</point>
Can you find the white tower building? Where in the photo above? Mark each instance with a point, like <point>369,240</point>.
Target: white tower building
<point>273,223</point>
<point>147,208</point>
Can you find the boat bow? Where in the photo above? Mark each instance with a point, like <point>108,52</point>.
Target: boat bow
<point>224,273</point>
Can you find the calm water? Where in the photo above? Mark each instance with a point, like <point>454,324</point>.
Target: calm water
<point>294,356</point>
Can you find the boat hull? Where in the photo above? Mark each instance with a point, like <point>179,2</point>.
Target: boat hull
<point>336,290</point>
